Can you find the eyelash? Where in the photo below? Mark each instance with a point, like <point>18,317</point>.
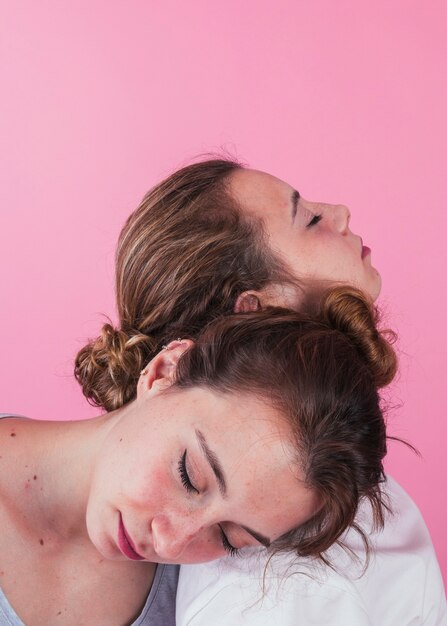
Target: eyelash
<point>232,551</point>
<point>315,219</point>
<point>184,476</point>
<point>186,482</point>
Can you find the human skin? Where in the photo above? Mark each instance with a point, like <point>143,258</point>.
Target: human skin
<point>313,238</point>
<point>317,245</point>
<point>136,473</point>
<point>125,465</point>
<point>84,445</point>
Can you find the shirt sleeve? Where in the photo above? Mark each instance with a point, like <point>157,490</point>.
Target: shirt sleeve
<point>402,585</point>
<point>246,593</point>
<point>290,604</point>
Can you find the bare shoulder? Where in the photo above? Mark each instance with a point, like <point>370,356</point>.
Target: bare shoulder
<point>9,423</point>
<point>12,431</point>
<point>13,458</point>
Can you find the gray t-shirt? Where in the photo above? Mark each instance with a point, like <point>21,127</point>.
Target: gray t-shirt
<point>159,609</point>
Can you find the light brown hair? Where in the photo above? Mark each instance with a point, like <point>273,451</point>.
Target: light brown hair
<point>183,258</point>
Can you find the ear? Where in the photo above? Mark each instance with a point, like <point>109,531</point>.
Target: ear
<point>159,373</point>
<point>288,296</point>
<point>247,301</point>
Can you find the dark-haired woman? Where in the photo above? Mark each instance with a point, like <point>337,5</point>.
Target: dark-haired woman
<point>211,239</point>
<point>228,444</point>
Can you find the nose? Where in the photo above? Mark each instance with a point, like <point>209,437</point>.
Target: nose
<point>171,538</point>
<point>341,216</point>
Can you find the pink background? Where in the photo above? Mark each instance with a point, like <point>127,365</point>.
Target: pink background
<point>346,100</point>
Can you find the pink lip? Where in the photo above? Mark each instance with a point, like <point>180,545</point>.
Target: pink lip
<point>125,543</point>
<point>365,251</point>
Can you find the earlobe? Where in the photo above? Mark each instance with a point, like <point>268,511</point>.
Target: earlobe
<point>159,373</point>
<point>246,302</point>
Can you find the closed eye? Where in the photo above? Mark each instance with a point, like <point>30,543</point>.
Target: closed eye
<point>184,476</point>
<point>232,551</point>
<point>188,485</point>
<point>315,219</point>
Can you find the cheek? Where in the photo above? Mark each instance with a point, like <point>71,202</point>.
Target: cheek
<point>154,485</point>
<point>314,259</point>
<point>203,549</point>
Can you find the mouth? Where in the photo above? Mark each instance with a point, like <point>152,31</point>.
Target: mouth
<point>125,543</point>
<point>365,251</point>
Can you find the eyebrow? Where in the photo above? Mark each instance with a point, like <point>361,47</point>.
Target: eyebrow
<point>215,465</point>
<point>214,462</point>
<point>295,199</point>
<point>264,540</point>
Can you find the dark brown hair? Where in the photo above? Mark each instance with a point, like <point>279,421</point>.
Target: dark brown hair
<point>183,258</point>
<point>322,374</point>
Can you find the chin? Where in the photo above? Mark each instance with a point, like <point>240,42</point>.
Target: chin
<point>376,285</point>
<point>99,540</point>
<point>106,548</point>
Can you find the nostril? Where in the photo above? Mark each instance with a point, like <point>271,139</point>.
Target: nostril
<point>344,210</point>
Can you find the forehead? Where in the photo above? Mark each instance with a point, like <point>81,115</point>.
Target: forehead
<point>254,445</point>
<point>225,413</point>
<point>260,192</point>
<point>246,432</point>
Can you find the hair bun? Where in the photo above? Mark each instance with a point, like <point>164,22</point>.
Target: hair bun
<point>108,367</point>
<point>351,312</point>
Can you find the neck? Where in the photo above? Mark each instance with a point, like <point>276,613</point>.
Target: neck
<point>50,466</point>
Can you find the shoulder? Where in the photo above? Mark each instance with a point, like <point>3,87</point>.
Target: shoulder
<point>160,604</point>
<point>252,593</point>
<point>8,616</point>
<point>404,527</point>
<point>10,423</point>
<point>403,581</point>
<point>12,427</point>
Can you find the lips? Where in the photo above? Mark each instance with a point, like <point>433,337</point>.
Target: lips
<point>365,251</point>
<point>125,543</point>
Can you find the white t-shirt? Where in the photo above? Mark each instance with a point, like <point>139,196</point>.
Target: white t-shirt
<point>402,585</point>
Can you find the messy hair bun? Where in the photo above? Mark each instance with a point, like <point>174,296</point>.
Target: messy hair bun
<point>108,367</point>
<point>352,313</point>
<point>183,257</point>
